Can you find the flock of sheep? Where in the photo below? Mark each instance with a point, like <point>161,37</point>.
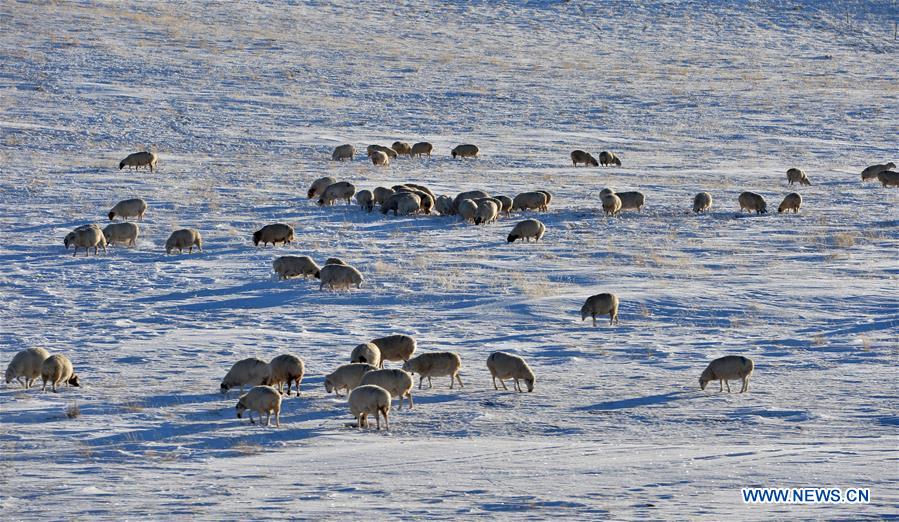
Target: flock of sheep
<point>370,386</point>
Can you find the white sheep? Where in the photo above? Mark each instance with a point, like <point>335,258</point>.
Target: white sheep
<point>435,364</point>
<point>505,204</point>
<point>250,371</point>
<point>468,210</point>
<point>527,229</point>
<point>579,156</point>
<point>129,208</point>
<point>397,347</point>
<point>487,212</point>
<point>420,148</point>
<point>366,353</point>
<point>371,149</point>
<point>295,266</point>
<point>726,368</point>
<point>261,399</point>
<point>792,202</point>
<point>530,201</point>
<point>343,152</point>
<point>347,376</point>
<point>797,176</point>
<point>444,205</point>
<point>57,369</point>
<point>872,171</point>
<point>184,238</point>
<point>397,382</point>
<point>370,400</point>
<point>335,261</point>
<point>549,197</point>
<point>339,276</point>
<point>26,364</point>
<point>341,190</point>
<point>401,147</point>
<point>702,202</point>
<point>318,187</point>
<point>86,237</point>
<point>422,188</point>
<point>274,233</point>
<point>121,233</point>
<point>466,151</point>
<point>752,202</point>
<point>601,304</point>
<point>140,159</point>
<point>473,195</point>
<point>607,158</point>
<point>504,365</point>
<point>366,200</point>
<point>286,368</point>
<point>402,204</point>
<point>381,194</point>
<point>888,178</point>
<point>611,204</point>
<point>631,200</point>
<point>380,158</point>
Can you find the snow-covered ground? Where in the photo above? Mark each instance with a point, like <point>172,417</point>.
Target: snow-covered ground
<point>244,103</point>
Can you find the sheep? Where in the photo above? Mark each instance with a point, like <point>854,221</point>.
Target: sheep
<point>611,204</point>
<point>465,151</point>
<point>888,178</point>
<point>487,212</point>
<point>402,203</point>
<point>631,200</point>
<point>121,233</point>
<point>401,147</point>
<point>366,353</point>
<point>250,371</point>
<point>470,194</point>
<point>139,159</point>
<point>397,382</point>
<point>426,202</point>
<point>261,399</point>
<point>527,229</point>
<point>505,204</point>
<point>549,198</point>
<point>380,194</point>
<point>335,261</point>
<point>366,200</point>
<point>435,364</point>
<point>797,176</point>
<point>27,364</point>
<point>702,202</point>
<point>129,208</point>
<point>607,158</point>
<point>726,368</point>
<point>317,189</point>
<point>343,152</point>
<point>370,400</point>
<point>339,276</point>
<point>397,347</point>
<point>530,201</point>
<point>371,149</point>
<point>601,304</point>
<point>86,237</point>
<point>346,376</point>
<point>444,205</point>
<point>380,158</point>
<point>504,365</point>
<point>341,190</point>
<point>184,238</point>
<point>286,368</point>
<point>752,201</point>
<point>294,266</point>
<point>422,188</point>
<point>468,210</point>
<point>872,171</point>
<point>58,369</point>
<point>420,148</point>
<point>791,202</point>
<point>579,156</point>
<point>274,233</point>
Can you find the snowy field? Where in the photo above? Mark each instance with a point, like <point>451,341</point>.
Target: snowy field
<point>245,102</point>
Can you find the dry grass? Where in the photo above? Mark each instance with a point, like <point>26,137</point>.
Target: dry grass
<point>843,239</point>
<point>819,340</point>
<point>73,411</point>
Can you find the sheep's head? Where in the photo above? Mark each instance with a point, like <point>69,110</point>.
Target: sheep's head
<point>511,238</point>
<point>891,165</point>
<point>256,237</point>
<point>111,216</point>
<point>763,208</point>
<point>703,382</point>
<point>407,366</point>
<point>617,162</point>
<point>705,378</point>
<point>321,202</point>
<point>224,388</point>
<point>329,386</point>
<point>530,383</point>
<point>310,194</point>
<point>241,407</point>
<point>318,274</point>
<point>10,375</point>
<point>585,311</point>
<point>121,164</point>
<point>593,161</point>
<point>73,381</point>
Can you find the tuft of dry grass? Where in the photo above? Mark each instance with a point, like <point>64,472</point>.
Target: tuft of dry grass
<point>819,340</point>
<point>843,239</point>
<point>73,411</point>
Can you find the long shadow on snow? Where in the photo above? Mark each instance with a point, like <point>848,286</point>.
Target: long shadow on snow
<point>637,401</point>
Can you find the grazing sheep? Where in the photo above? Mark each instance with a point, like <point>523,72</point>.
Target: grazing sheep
<point>129,208</point>
<point>530,201</point>
<point>579,156</point>
<point>317,189</point>
<point>295,266</point>
<point>420,148</point>
<point>702,202</point>
<point>401,147</point>
<point>792,202</point>
<point>380,194</point>
<point>274,233</point>
<point>250,371</point>
<point>184,238</point>
<point>631,200</point>
<point>370,400</point>
<point>471,194</point>
<point>86,237</point>
<point>27,364</point>
<point>487,212</point>
<point>397,382</point>
<point>422,188</point>
<point>346,376</point>
<point>121,233</point>
<point>505,204</point>
<point>58,369</point>
<point>140,159</point>
<point>286,368</point>
<point>607,158</point>
<point>398,347</point>
<point>797,176</point>
<point>611,204</point>
<point>380,158</point>
<point>335,261</point>
<point>752,201</point>
<point>601,304</point>
<point>366,200</point>
<point>402,203</point>
<point>366,353</point>
<point>339,276</point>
<point>465,151</point>
<point>527,229</point>
<point>426,202</point>
<point>872,171</point>
<point>261,399</point>
<point>435,364</point>
<point>888,178</point>
<point>444,205</point>
<point>549,197</point>
<point>343,152</point>
<point>726,368</point>
<point>371,149</point>
<point>468,210</point>
<point>341,190</point>
<point>504,365</point>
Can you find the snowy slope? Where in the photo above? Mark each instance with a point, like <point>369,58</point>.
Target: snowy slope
<point>244,103</point>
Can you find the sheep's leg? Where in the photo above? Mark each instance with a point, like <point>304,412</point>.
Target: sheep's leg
<point>503,383</point>
<point>720,385</point>
<point>409,396</point>
<point>278,418</point>
<point>378,418</point>
<point>727,383</point>
<point>421,380</point>
<point>594,319</point>
<point>494,383</point>
<point>745,385</point>
<point>429,382</point>
<point>386,421</point>
<point>460,380</point>
<point>517,386</point>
